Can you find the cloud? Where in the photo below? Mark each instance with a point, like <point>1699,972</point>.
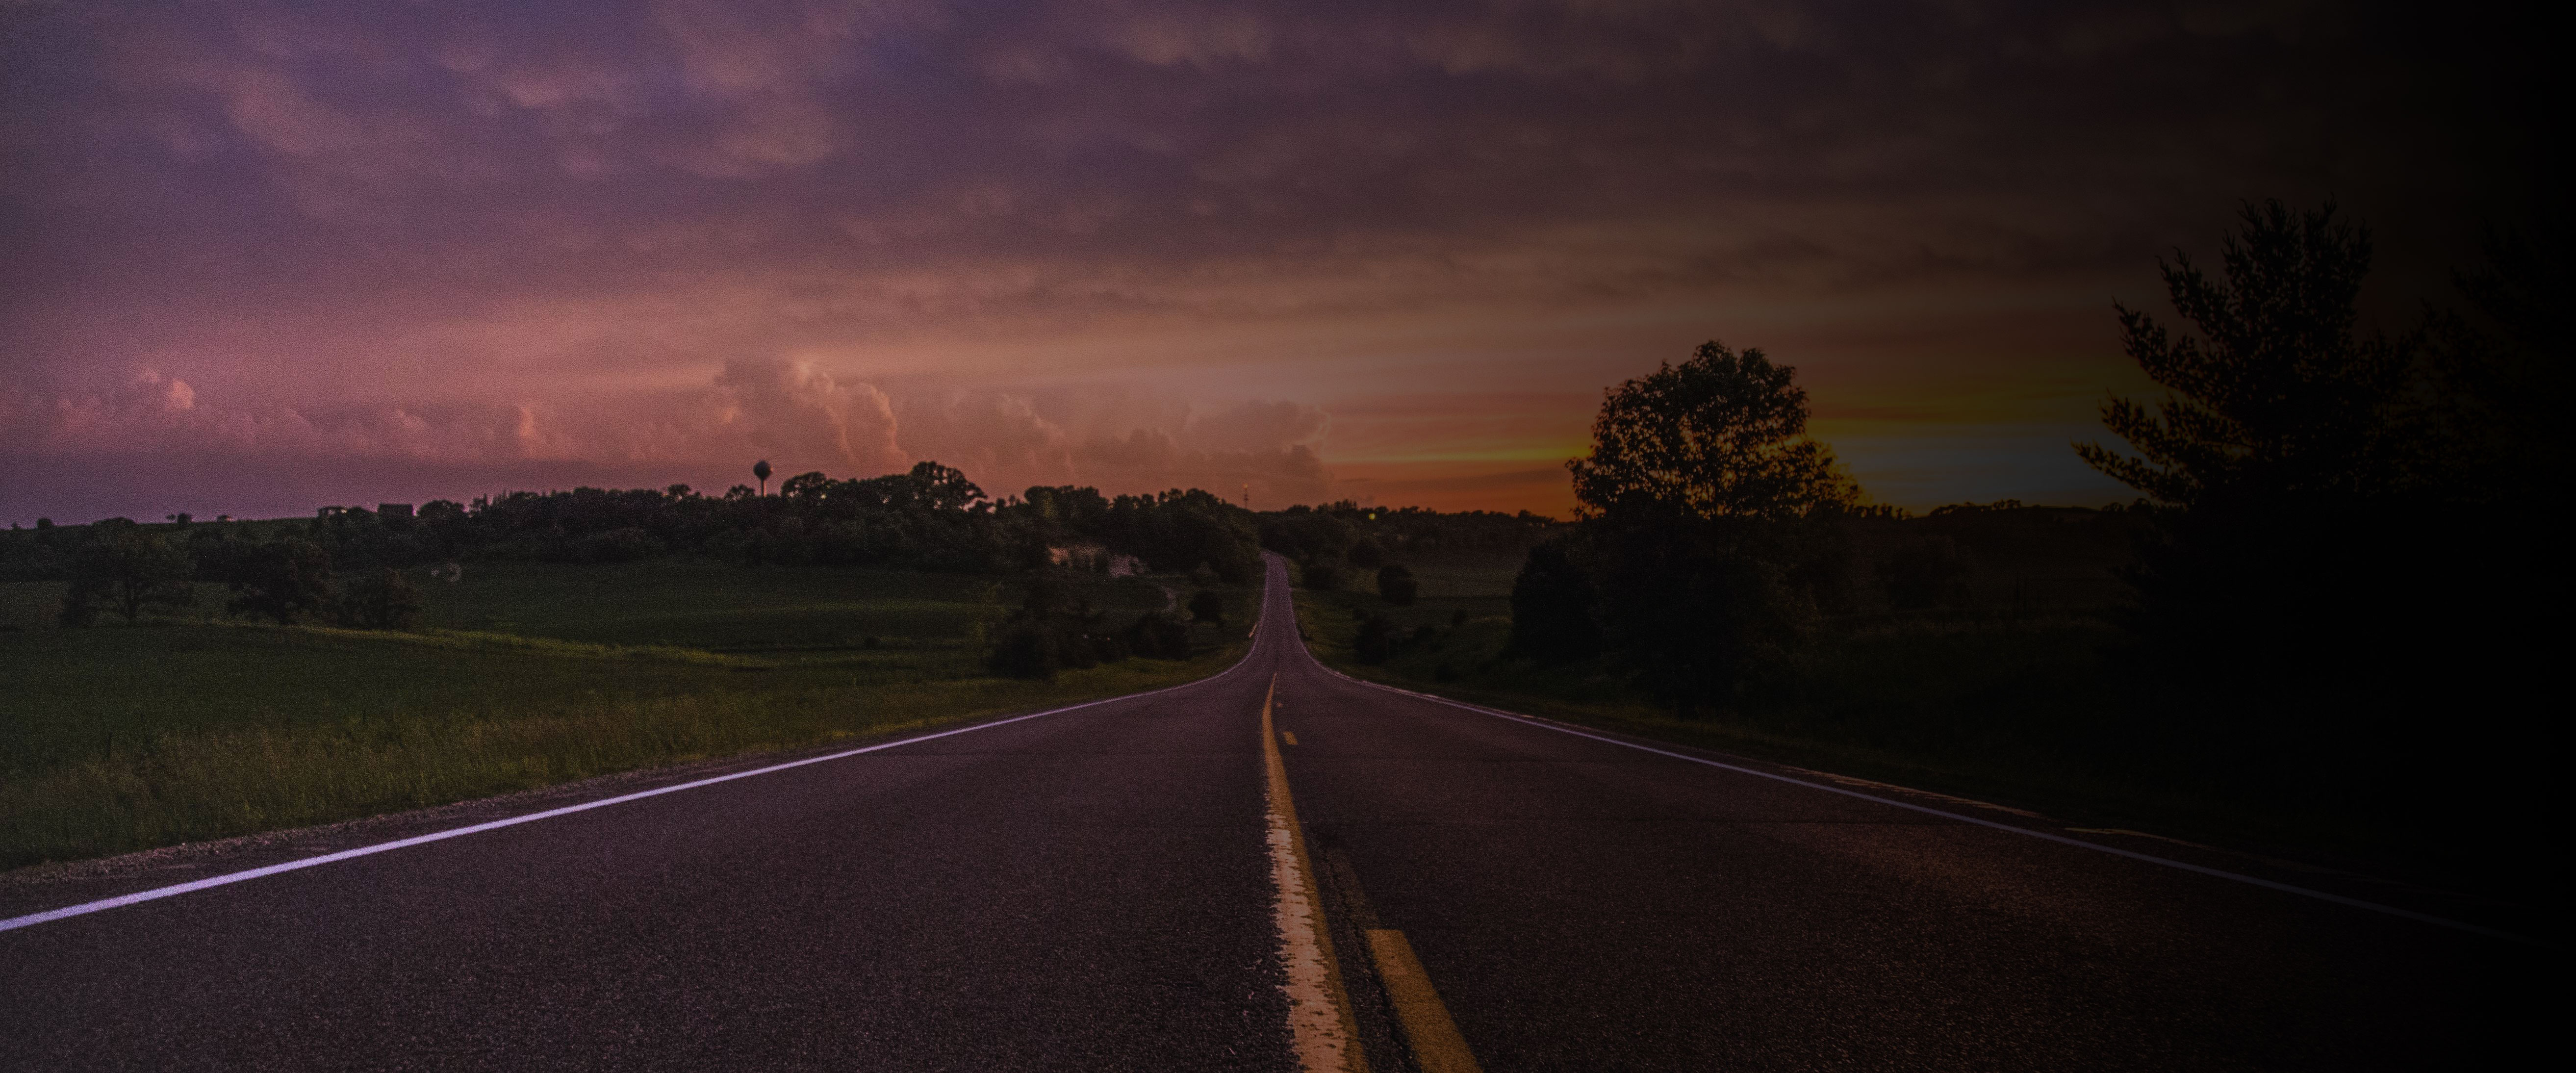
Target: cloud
<point>546,232</point>
<point>797,413</point>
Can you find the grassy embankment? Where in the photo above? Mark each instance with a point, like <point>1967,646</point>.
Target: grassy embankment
<point>2006,700</point>
<point>118,738</point>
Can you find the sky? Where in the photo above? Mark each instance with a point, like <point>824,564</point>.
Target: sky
<point>257,257</point>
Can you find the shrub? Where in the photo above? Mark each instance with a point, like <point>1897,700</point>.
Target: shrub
<point>1925,573</point>
<point>1366,555</point>
<point>1159,636</point>
<point>279,580</point>
<point>1395,585</point>
<point>1208,605</point>
<point>1321,576</point>
<point>1025,650</point>
<point>382,600</point>
<point>1376,642</point>
<point>1554,608</point>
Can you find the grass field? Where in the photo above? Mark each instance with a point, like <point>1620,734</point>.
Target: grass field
<point>118,737</point>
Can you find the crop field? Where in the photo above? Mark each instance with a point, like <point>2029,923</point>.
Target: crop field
<point>120,737</point>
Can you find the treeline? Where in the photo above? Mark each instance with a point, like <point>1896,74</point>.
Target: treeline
<point>2343,565</point>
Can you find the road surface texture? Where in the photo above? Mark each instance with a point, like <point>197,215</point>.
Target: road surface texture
<point>1106,887</point>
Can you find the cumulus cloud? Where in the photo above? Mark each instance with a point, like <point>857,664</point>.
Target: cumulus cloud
<point>1119,437</point>
<point>796,412</point>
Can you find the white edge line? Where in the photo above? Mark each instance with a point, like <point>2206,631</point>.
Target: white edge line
<point>158,893</point>
<point>2356,903</point>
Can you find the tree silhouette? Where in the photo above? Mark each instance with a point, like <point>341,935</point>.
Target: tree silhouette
<point>129,569</point>
<point>1720,435</point>
<point>761,470</point>
<point>2280,397</point>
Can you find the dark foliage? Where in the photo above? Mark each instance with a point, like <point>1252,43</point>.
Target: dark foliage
<point>2347,537</point>
<point>1055,630</point>
<point>1714,531</point>
<point>1365,554</point>
<point>1925,572</point>
<point>1025,650</point>
<point>1207,605</point>
<point>1159,636</point>
<point>1701,611</point>
<point>1721,435</point>
<point>382,599</point>
<point>280,580</point>
<point>1376,642</point>
<point>1320,575</point>
<point>1556,612</point>
<point>1395,585</point>
<point>127,569</point>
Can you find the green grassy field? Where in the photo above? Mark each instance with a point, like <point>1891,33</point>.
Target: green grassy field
<point>121,737</point>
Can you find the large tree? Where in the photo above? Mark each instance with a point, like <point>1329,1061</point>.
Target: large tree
<point>1721,435</point>
<point>129,569</point>
<point>2279,398</point>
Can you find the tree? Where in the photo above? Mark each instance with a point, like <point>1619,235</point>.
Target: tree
<point>1395,585</point>
<point>2301,596</point>
<point>2279,400</point>
<point>762,471</point>
<point>1720,435</point>
<point>1320,575</point>
<point>129,569</point>
<point>382,600</point>
<point>1555,611</point>
<point>280,580</point>
<point>1207,605</point>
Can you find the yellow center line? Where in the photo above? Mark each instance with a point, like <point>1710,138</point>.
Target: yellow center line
<point>1319,1011</point>
<point>1437,1046</point>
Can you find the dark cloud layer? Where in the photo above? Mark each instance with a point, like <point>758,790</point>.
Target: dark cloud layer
<point>661,233</point>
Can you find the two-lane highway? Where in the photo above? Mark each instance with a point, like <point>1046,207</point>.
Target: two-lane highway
<point>1104,887</point>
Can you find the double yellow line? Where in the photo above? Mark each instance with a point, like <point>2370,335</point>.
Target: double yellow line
<point>1324,1032</point>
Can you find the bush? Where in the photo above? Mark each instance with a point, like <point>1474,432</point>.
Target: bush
<point>1376,642</point>
<point>1159,636</point>
<point>1366,555</point>
<point>279,580</point>
<point>1555,610</point>
<point>1208,606</point>
<point>1395,585</point>
<point>382,600</point>
<point>1926,573</point>
<point>1025,650</point>
<point>1703,612</point>
<point>1320,576</point>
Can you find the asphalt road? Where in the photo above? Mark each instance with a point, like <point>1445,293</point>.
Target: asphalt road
<point>1092,889</point>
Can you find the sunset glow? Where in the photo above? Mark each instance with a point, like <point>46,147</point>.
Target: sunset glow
<point>267,256</point>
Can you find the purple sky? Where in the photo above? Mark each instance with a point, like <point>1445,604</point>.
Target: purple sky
<point>265,256</point>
